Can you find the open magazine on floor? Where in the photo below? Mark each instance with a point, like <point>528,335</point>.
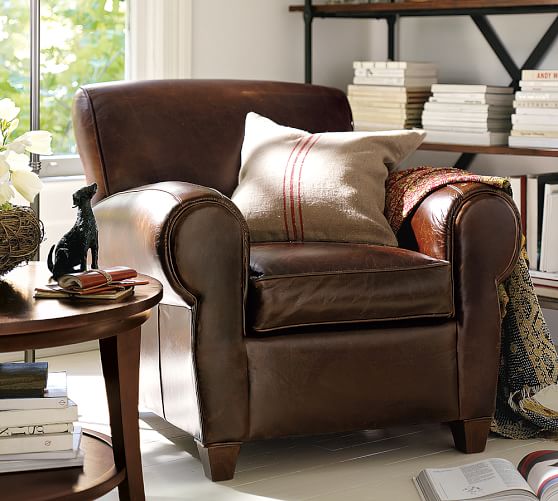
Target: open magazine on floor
<point>536,477</point>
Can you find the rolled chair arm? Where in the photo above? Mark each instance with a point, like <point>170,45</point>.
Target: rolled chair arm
<point>195,241</point>
<point>477,228</point>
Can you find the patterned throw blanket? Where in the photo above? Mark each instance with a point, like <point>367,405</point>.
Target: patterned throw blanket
<point>528,359</point>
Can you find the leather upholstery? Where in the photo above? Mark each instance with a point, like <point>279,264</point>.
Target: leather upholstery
<point>168,152</point>
<point>199,125</point>
<point>302,284</point>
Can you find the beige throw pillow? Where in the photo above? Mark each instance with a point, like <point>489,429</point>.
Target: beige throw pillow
<point>297,186</point>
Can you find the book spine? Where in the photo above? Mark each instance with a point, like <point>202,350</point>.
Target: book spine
<point>23,379</point>
<point>536,96</point>
<point>36,443</point>
<point>536,104</point>
<point>539,75</point>
<point>10,404</point>
<point>29,417</point>
<point>37,429</point>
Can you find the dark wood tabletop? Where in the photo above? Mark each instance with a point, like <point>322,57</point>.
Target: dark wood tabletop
<point>23,315</point>
<point>29,323</point>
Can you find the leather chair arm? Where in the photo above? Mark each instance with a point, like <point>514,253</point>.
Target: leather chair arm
<point>196,242</point>
<point>477,228</point>
<point>438,225</point>
<point>178,232</point>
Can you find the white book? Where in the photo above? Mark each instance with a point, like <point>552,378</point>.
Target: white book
<point>467,108</point>
<point>464,128</point>
<point>544,275</point>
<point>48,455</point>
<point>21,444</point>
<point>56,396</point>
<point>536,96</point>
<point>386,91</point>
<point>395,72</point>
<point>366,102</point>
<point>362,125</point>
<point>537,112</point>
<point>547,122</point>
<point>539,75</point>
<point>535,207</point>
<point>28,417</point>
<point>533,142</point>
<point>466,117</point>
<point>396,65</point>
<point>489,479</point>
<point>42,464</point>
<point>549,234</point>
<point>370,113</point>
<point>519,191</point>
<point>536,104</point>
<point>424,82</point>
<point>40,429</point>
<point>532,133</point>
<point>539,85</point>
<point>471,89</point>
<point>472,139</point>
<point>545,291</point>
<point>472,98</point>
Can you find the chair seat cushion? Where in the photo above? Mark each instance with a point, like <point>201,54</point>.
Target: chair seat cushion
<point>304,284</point>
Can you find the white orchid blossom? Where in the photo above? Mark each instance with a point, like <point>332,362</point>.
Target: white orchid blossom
<point>8,110</point>
<point>4,165</point>
<point>15,173</point>
<point>35,141</point>
<point>6,192</point>
<point>26,182</point>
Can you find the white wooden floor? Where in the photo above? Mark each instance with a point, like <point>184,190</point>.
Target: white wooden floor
<point>370,465</point>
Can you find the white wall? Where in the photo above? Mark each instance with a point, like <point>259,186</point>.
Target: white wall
<point>261,39</point>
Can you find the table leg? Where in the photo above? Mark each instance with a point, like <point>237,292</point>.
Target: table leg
<point>120,360</point>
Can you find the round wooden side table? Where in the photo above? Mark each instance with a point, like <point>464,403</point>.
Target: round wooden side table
<point>28,323</point>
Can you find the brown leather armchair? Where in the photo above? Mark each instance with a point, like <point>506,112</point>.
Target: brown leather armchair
<point>254,341</point>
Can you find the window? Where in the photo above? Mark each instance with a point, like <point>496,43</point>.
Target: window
<point>82,41</point>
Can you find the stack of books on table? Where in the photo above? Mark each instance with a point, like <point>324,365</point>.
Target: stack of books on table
<point>535,122</point>
<point>37,429</point>
<point>389,95</point>
<point>468,114</point>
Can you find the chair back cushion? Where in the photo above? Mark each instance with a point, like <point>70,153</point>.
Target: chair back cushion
<point>135,133</point>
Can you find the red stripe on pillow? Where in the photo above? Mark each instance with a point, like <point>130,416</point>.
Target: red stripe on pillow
<point>316,138</point>
<point>293,211</point>
<point>285,217</point>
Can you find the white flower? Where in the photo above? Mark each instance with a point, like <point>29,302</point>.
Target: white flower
<point>35,141</point>
<point>27,183</point>
<point>17,161</point>
<point>4,165</point>
<point>6,193</point>
<point>8,110</point>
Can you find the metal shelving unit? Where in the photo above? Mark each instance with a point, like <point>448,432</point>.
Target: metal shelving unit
<point>477,10</point>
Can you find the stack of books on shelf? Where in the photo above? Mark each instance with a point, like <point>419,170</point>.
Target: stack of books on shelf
<point>535,122</point>
<point>468,114</point>
<point>389,95</point>
<point>37,429</point>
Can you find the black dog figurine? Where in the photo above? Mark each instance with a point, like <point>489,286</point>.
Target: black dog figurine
<point>71,250</point>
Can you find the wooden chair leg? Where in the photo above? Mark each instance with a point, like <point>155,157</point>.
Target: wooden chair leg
<point>470,435</point>
<point>219,460</point>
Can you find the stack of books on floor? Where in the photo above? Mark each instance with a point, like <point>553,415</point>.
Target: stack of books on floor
<point>389,95</point>
<point>468,114</point>
<point>535,122</point>
<point>37,429</point>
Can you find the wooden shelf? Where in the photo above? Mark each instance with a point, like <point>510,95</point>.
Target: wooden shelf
<point>432,8</point>
<point>489,150</point>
